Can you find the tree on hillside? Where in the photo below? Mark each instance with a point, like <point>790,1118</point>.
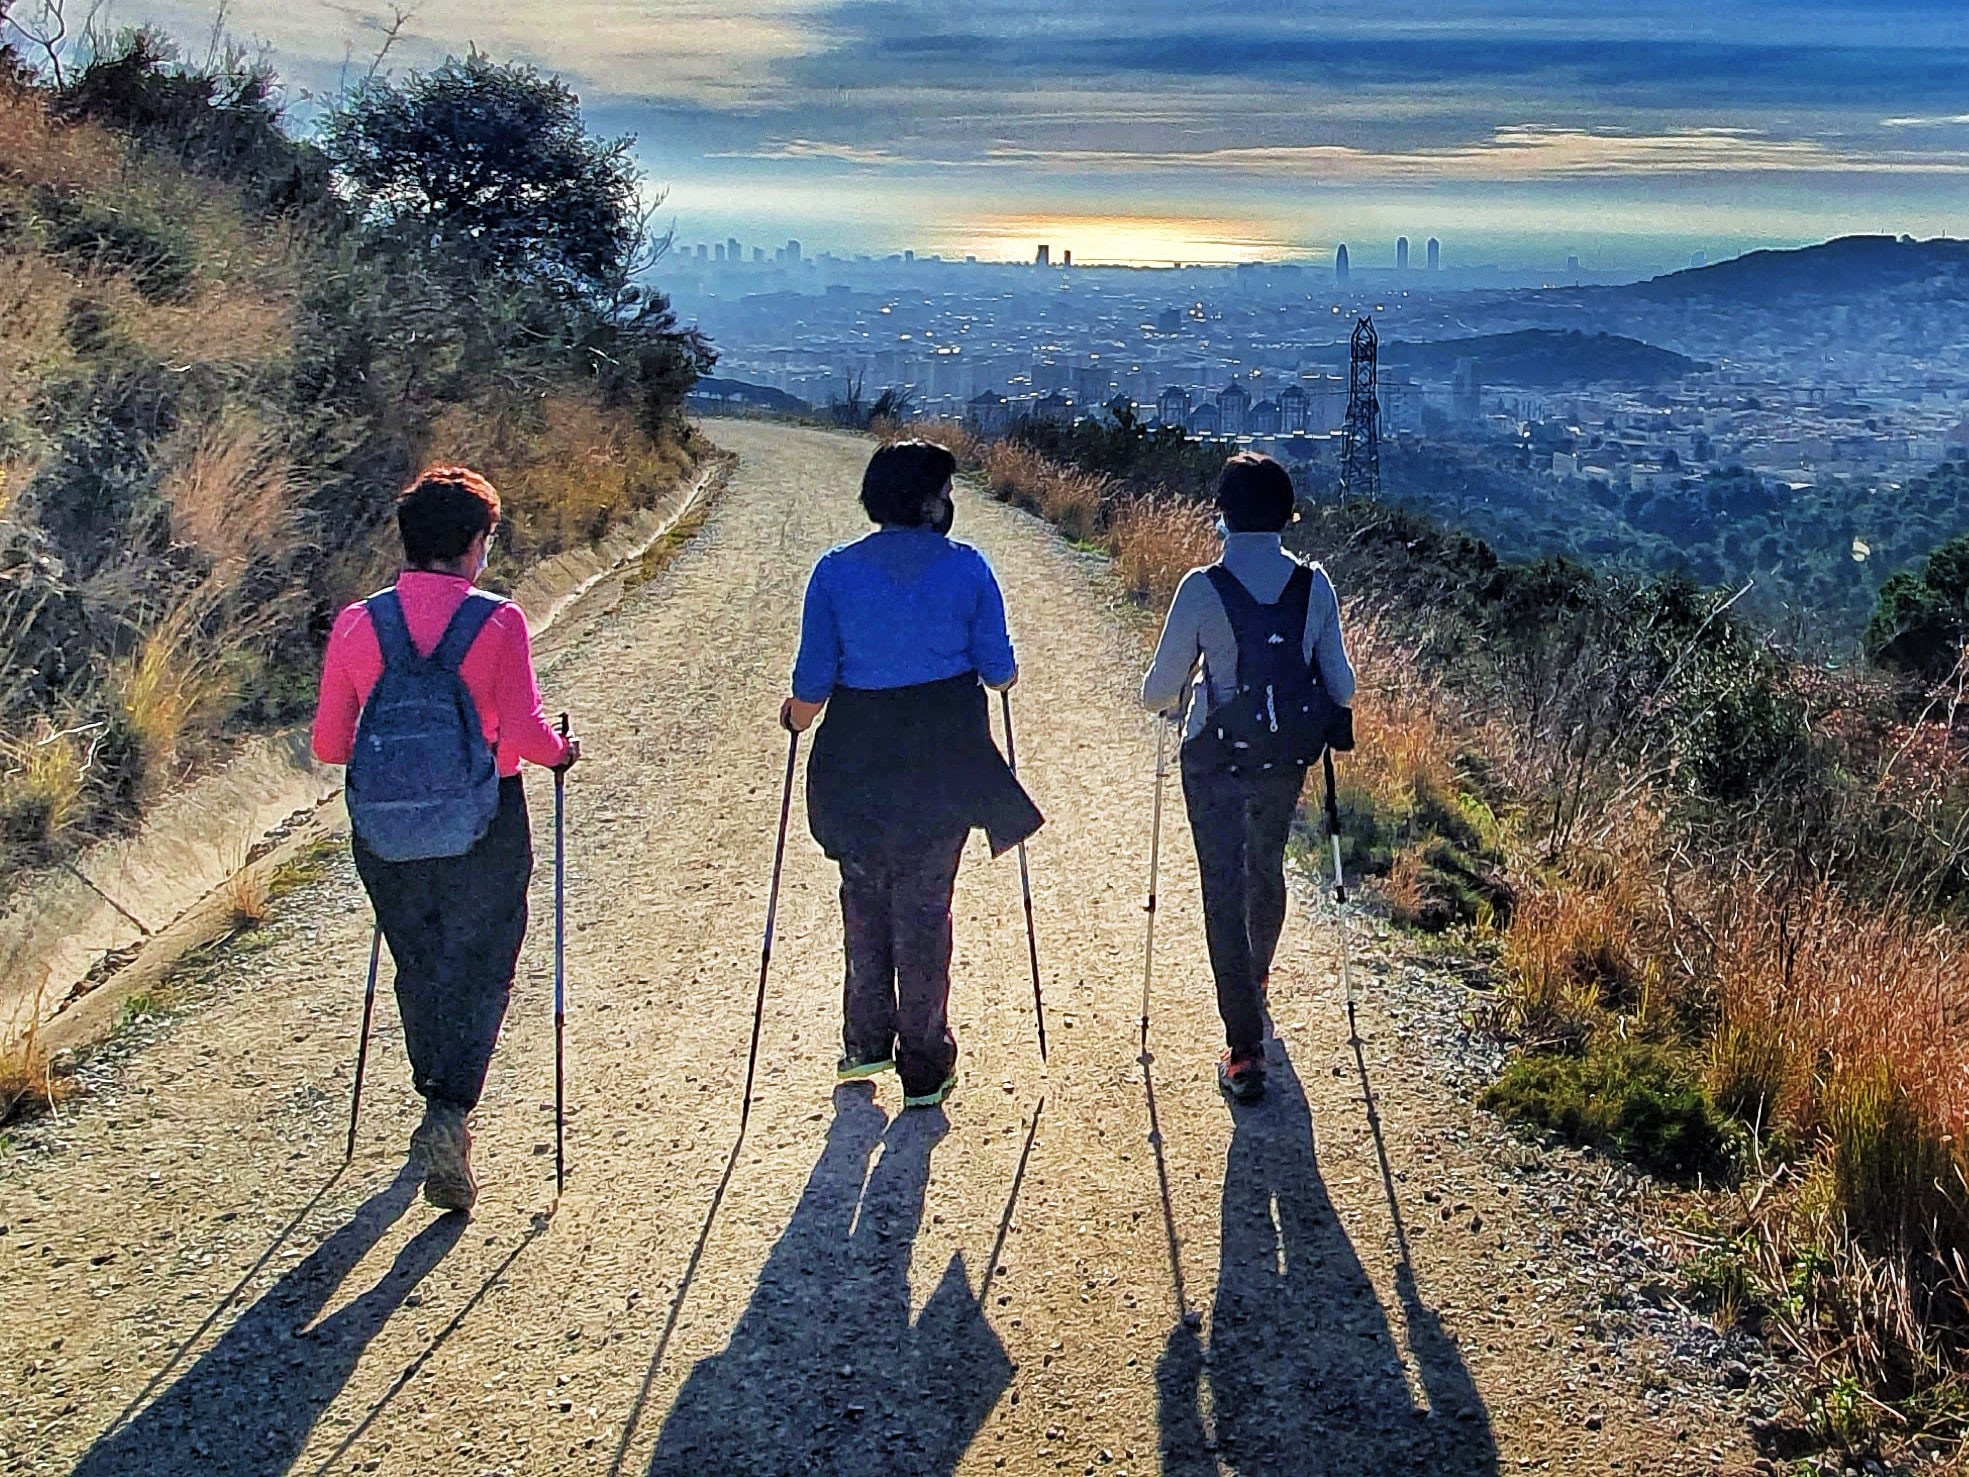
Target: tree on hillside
<point>489,161</point>
<point>1922,621</point>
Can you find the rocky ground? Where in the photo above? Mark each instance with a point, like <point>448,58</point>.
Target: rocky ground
<point>1091,1266</point>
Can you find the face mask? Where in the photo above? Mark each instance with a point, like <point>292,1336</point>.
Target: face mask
<point>944,516</point>
<point>1223,528</point>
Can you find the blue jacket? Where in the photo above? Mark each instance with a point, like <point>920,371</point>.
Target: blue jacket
<point>898,608</point>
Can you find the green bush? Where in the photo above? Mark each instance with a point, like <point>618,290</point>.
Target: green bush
<point>1631,1097</point>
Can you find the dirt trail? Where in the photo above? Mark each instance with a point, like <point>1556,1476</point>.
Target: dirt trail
<point>191,1290</point>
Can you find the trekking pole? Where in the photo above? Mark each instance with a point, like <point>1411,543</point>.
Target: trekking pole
<point>772,912</point>
<point>1339,886</point>
<point>1155,858</point>
<point>1025,886</point>
<point>362,1041</point>
<point>560,964</point>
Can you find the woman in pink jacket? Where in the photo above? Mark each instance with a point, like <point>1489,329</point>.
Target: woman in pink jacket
<point>454,923</point>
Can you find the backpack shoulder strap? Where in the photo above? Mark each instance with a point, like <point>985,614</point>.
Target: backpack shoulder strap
<point>392,631</point>
<point>1238,602</point>
<point>466,622</point>
<point>1297,597</point>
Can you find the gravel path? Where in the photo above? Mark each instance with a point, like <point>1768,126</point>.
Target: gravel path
<point>192,1288</point>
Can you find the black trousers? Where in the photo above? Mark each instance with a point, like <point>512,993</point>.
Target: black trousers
<point>1240,825</point>
<point>895,915</point>
<point>455,925</point>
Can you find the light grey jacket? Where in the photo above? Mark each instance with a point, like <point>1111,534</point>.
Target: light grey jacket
<point>1196,659</point>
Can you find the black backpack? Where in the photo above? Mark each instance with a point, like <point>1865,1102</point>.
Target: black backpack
<point>1280,715</point>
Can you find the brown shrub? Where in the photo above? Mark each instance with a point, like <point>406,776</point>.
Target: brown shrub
<point>954,436</point>
<point>27,1079</point>
<point>1156,541</point>
<point>1571,954</point>
<point>229,491</point>
<point>37,150</point>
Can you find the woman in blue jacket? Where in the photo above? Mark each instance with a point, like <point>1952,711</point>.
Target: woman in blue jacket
<point>902,632</point>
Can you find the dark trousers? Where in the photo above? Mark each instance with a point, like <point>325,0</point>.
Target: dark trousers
<point>895,914</point>
<point>1240,825</point>
<point>454,926</point>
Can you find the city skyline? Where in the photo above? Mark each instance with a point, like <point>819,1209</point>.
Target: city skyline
<point>1522,132</point>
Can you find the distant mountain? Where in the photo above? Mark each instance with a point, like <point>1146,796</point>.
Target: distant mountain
<point>720,394</point>
<point>1848,267</point>
<point>1544,358</point>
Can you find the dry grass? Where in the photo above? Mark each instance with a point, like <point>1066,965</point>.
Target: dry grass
<point>566,475</point>
<point>27,1079</point>
<point>1156,541</point>
<point>34,347</point>
<point>1576,954</point>
<point>229,490</point>
<point>173,684</point>
<point>37,151</point>
<point>954,436</point>
<point>41,787</point>
<point>248,898</point>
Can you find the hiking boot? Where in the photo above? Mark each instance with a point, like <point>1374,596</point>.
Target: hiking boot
<point>934,1096</point>
<point>852,1068</point>
<point>1241,1074</point>
<point>444,1145</point>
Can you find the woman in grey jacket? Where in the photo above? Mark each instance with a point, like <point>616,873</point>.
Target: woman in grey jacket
<point>1240,821</point>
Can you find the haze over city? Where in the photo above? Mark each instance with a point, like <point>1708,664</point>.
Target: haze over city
<point>1520,133</point>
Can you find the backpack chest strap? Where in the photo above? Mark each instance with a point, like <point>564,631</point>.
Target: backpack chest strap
<point>1253,622</point>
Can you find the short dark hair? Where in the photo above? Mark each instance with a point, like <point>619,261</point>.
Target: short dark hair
<point>1254,493</point>
<point>901,479</point>
<point>440,514</point>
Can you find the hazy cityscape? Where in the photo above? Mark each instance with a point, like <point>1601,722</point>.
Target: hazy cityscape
<point>1257,353</point>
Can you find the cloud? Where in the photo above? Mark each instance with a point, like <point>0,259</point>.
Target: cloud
<point>1952,120</point>
<point>1517,153</point>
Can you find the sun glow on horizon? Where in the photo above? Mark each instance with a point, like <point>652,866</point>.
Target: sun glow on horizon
<point>1116,240</point>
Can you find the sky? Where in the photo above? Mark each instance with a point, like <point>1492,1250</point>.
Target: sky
<point>1518,131</point>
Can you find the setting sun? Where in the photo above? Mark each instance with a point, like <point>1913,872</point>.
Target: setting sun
<point>1117,240</point>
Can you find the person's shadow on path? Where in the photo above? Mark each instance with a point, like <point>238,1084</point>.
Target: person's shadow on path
<point>825,1372</point>
<point>1302,1376</point>
<point>246,1408</point>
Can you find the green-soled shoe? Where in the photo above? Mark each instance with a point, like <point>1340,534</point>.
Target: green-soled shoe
<point>934,1097</point>
<point>856,1069</point>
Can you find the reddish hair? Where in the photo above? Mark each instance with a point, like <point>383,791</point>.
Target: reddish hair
<point>442,512</point>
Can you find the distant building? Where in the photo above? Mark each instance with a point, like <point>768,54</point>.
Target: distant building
<point>793,251</point>
<point>1565,464</point>
<point>1466,391</point>
<point>1044,257</point>
<point>1168,321</point>
<point>1572,266</point>
<point>1203,420</point>
<point>1340,263</point>
<point>1172,407</point>
<point>721,251</point>
<point>1233,401</point>
<point>1056,408</point>
<point>1066,257</point>
<point>909,256</point>
<point>1262,419</point>
<point>989,413</point>
<point>1435,254</point>
<point>1401,253</point>
<point>1293,404</point>
<point>731,249</point>
<point>758,255</point>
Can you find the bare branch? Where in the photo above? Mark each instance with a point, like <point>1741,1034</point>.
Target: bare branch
<point>399,18</point>
<point>49,33</point>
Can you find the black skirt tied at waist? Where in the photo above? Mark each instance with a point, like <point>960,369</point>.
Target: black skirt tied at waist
<point>910,763</point>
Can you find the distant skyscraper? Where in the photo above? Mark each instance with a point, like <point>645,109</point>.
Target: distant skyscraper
<point>793,251</point>
<point>1401,253</point>
<point>1572,266</point>
<point>721,251</point>
<point>1044,257</point>
<point>1435,253</point>
<point>758,255</point>
<point>909,256</point>
<point>731,249</point>
<point>703,251</point>
<point>1340,263</point>
<point>1066,257</point>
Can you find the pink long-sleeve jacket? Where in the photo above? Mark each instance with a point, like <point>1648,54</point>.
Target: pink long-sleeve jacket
<point>498,672</point>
